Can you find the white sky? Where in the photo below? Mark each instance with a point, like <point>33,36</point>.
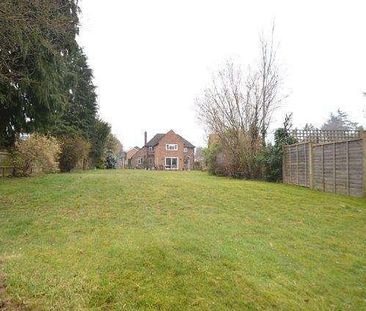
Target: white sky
<point>152,58</point>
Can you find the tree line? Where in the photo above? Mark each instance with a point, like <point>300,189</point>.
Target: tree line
<point>46,84</point>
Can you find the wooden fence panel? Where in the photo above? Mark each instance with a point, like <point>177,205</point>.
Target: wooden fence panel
<point>341,168</point>
<point>355,168</point>
<point>318,174</point>
<point>5,169</point>
<point>333,167</point>
<point>296,171</point>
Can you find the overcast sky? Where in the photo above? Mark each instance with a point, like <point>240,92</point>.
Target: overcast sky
<point>152,58</point>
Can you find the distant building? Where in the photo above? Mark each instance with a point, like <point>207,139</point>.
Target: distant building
<point>121,160</point>
<point>129,154</point>
<point>168,151</point>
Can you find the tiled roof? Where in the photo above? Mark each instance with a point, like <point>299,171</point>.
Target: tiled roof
<point>186,142</point>
<point>155,140</point>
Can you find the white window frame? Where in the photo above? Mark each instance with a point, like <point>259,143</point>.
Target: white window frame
<point>171,168</point>
<point>171,147</point>
<point>185,149</point>
<point>139,160</point>
<point>151,149</point>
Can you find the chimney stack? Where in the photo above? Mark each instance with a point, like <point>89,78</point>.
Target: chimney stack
<point>145,136</point>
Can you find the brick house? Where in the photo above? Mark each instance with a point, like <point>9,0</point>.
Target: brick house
<point>168,151</point>
<point>129,154</point>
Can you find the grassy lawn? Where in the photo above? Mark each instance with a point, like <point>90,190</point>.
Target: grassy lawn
<point>178,240</point>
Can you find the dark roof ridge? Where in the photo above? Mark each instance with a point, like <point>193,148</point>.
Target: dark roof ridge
<point>157,137</point>
<point>186,142</point>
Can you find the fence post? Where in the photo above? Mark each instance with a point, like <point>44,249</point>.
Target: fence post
<point>306,166</point>
<point>323,180</point>
<point>347,163</point>
<point>363,136</point>
<point>285,164</point>
<point>297,164</point>
<point>311,176</point>
<point>290,164</point>
<point>334,169</point>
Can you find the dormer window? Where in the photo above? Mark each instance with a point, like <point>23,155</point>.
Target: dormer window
<point>171,146</point>
<point>151,148</point>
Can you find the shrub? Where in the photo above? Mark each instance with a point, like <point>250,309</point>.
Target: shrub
<point>197,166</point>
<point>35,153</point>
<point>272,156</point>
<point>234,155</point>
<point>74,154</point>
<point>210,156</point>
<point>110,161</point>
<point>100,164</point>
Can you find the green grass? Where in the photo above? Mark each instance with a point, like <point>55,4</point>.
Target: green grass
<point>178,241</point>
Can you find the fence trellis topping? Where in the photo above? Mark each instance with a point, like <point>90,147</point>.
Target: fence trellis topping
<point>322,136</point>
<point>337,166</point>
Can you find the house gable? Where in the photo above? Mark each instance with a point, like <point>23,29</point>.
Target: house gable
<point>130,153</point>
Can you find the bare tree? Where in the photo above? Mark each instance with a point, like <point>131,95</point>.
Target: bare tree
<point>238,109</point>
<point>227,109</point>
<point>270,80</point>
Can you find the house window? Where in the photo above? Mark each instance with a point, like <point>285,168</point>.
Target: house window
<point>171,163</point>
<point>171,146</point>
<point>139,160</point>
<point>185,149</point>
<point>150,148</point>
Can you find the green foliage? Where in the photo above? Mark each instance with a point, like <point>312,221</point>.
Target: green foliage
<point>34,154</point>
<point>136,239</point>
<point>79,114</point>
<point>46,84</point>
<point>271,157</point>
<point>113,149</point>
<point>36,40</point>
<point>74,153</point>
<point>210,157</point>
<point>98,142</point>
<point>110,161</point>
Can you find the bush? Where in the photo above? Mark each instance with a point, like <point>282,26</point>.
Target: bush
<point>110,161</point>
<point>210,156</point>
<point>198,166</point>
<point>272,156</point>
<point>34,154</point>
<point>234,155</point>
<point>74,154</point>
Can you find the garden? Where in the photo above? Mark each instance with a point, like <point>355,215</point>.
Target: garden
<point>136,239</point>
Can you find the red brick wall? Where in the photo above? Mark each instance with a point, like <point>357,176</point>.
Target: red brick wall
<point>134,160</point>
<point>161,152</point>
